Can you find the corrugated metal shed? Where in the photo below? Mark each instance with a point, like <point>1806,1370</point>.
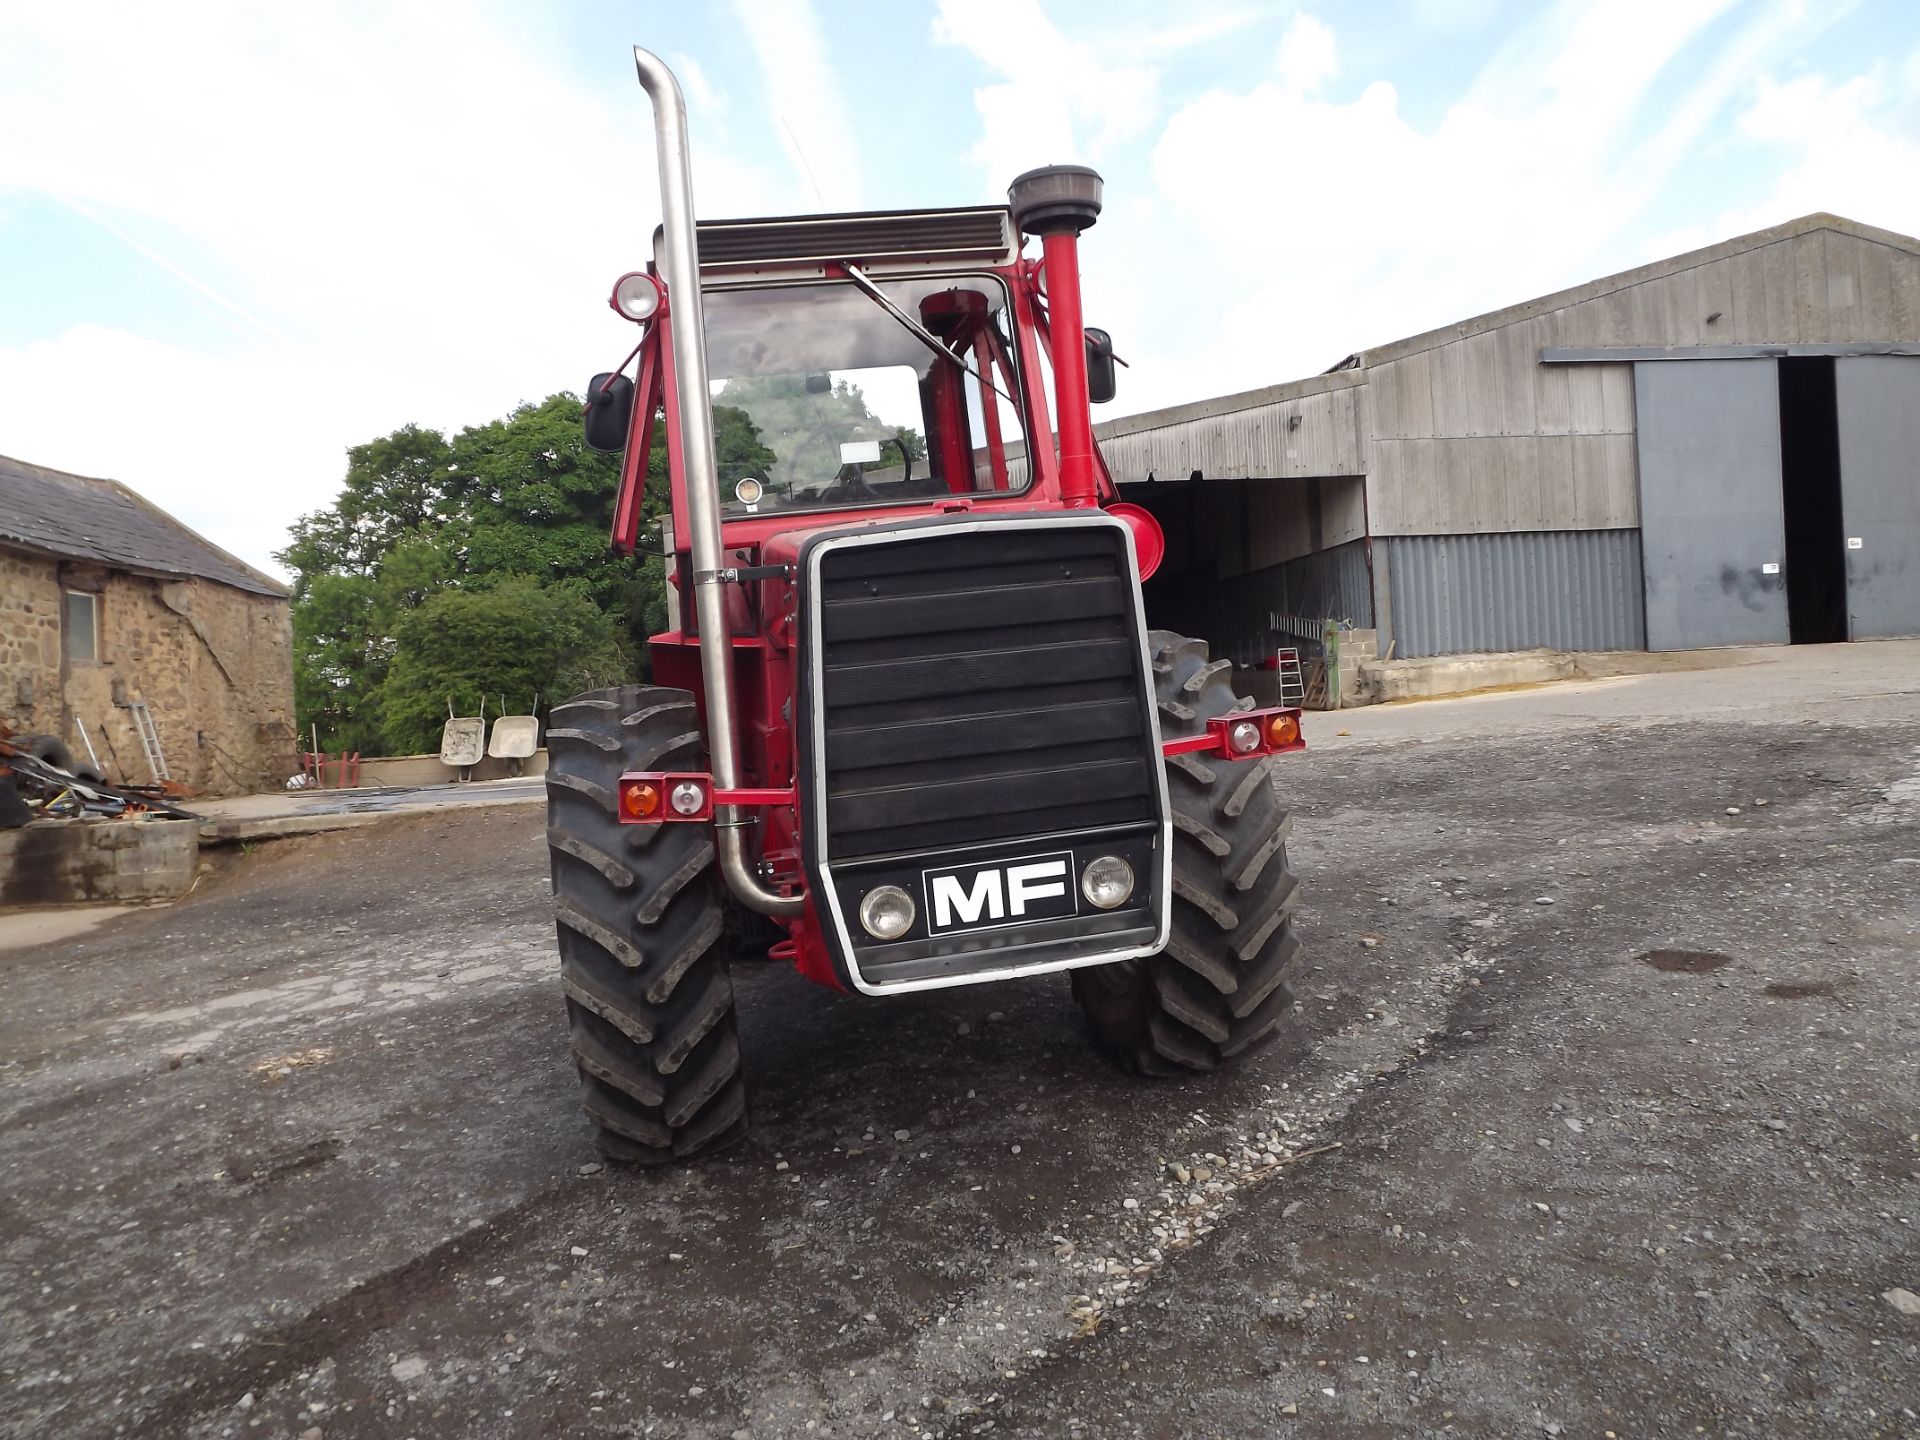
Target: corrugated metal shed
<point>1503,493</point>
<point>1307,428</point>
<point>1555,590</point>
<point>1462,429</point>
<point>1326,585</point>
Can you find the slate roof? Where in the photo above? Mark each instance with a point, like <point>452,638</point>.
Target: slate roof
<point>79,518</point>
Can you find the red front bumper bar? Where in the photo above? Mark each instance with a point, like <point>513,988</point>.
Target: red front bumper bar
<point>650,797</point>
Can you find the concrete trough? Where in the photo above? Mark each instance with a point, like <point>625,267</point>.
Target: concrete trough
<point>76,862</point>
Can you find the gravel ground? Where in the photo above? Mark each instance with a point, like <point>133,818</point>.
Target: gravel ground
<point>1600,1118</point>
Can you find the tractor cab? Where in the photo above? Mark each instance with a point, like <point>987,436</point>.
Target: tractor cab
<point>857,363</point>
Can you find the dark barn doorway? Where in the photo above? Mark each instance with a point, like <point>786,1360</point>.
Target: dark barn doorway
<point>1816,553</point>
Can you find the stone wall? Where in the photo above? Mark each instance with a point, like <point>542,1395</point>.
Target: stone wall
<point>214,665</point>
<point>29,642</point>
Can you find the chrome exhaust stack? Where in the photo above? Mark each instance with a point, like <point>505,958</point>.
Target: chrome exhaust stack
<point>687,324</point>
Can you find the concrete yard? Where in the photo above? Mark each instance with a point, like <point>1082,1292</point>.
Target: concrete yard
<point>1602,1117</point>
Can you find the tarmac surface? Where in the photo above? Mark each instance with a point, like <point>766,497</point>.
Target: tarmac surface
<point>1601,1117</point>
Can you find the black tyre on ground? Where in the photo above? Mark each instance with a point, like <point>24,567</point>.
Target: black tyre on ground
<point>642,921</point>
<point>1218,992</point>
<point>56,752</point>
<point>50,748</point>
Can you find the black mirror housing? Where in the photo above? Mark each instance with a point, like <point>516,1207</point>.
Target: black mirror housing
<point>1101,381</point>
<point>609,412</point>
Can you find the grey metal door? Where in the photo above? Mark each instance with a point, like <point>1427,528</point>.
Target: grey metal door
<point>1711,528</point>
<point>1879,405</point>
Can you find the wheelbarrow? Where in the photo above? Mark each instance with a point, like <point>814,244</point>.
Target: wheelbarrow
<point>515,737</point>
<point>463,740</point>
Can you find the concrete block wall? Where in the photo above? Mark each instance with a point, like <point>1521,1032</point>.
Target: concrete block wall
<point>67,862</point>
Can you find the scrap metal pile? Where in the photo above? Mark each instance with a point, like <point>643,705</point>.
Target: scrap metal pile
<point>39,780</point>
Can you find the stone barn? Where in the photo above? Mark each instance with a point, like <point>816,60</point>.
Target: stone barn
<point>108,604</point>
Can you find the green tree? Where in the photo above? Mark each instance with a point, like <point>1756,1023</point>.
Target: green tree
<point>343,625</point>
<point>514,503</point>
<point>396,487</point>
<point>513,639</point>
<point>533,498</point>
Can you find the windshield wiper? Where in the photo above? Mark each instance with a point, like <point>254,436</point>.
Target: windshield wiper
<point>920,332</point>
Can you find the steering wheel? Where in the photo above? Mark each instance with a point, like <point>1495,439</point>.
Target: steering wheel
<point>906,457</point>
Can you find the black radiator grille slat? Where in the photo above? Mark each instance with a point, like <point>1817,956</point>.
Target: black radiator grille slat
<point>969,672</point>
<point>939,707</point>
<point>1017,634</point>
<point>980,686</point>
<point>1032,766</point>
<point>1011,793</point>
<point>894,742</point>
<point>932,613</point>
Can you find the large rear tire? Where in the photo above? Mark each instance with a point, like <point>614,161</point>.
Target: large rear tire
<point>1219,991</point>
<point>643,951</point>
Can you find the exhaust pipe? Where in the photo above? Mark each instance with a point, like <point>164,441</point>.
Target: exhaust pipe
<point>686,317</point>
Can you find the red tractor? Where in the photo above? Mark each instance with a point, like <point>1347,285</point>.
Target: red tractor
<point>909,727</point>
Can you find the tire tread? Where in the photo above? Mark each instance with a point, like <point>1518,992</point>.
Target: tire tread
<point>1218,992</point>
<point>642,928</point>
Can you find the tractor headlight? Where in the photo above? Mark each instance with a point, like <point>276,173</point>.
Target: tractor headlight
<point>1107,882</point>
<point>1244,737</point>
<point>886,912</point>
<point>635,295</point>
<point>688,797</point>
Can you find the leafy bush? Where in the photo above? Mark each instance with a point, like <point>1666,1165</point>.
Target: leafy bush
<point>520,637</point>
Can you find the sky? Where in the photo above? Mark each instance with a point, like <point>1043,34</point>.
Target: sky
<point>236,239</point>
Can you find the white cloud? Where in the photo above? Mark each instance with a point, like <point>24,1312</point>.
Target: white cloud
<point>1057,100</point>
<point>417,213</point>
<point>803,99</point>
<point>1306,56</point>
<point>1159,40</point>
<point>704,98</point>
<point>1293,221</point>
<point>1836,148</point>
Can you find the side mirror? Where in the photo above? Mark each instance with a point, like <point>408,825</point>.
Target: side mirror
<point>820,384</point>
<point>609,412</point>
<point>1100,375</point>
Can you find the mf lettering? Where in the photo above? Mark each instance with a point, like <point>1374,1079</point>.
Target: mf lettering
<point>1031,889</point>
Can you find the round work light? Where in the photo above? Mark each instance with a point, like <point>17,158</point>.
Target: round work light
<point>1107,882</point>
<point>886,912</point>
<point>636,295</point>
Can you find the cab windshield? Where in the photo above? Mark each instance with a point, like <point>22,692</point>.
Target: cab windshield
<point>824,399</point>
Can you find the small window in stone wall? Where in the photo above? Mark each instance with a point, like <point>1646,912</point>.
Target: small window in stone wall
<point>80,626</point>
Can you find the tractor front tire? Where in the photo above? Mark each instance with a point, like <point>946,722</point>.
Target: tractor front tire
<point>642,921</point>
<point>1218,992</point>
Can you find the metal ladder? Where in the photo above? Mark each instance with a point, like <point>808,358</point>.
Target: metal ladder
<point>149,738</point>
<point>1293,685</point>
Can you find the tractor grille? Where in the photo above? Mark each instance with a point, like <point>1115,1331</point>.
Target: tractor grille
<point>980,686</point>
